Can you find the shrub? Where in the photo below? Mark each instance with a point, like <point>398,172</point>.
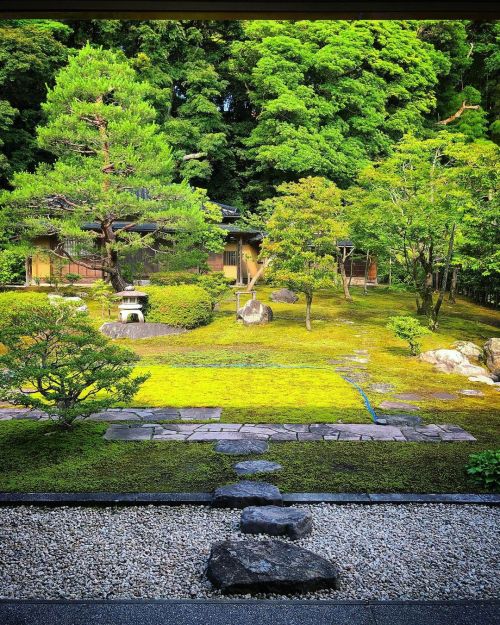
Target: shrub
<point>14,300</point>
<point>173,278</point>
<point>410,330</point>
<point>12,268</point>
<point>183,306</point>
<point>102,292</point>
<point>215,284</point>
<point>72,369</point>
<point>484,467</point>
<point>73,278</point>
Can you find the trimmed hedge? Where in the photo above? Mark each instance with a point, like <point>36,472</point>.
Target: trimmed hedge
<point>10,300</point>
<point>183,306</point>
<point>173,278</point>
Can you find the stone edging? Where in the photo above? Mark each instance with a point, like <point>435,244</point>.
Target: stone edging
<point>204,499</point>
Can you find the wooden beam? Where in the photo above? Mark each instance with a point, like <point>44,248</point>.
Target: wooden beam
<point>246,9</point>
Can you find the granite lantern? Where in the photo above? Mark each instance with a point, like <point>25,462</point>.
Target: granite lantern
<point>132,305</point>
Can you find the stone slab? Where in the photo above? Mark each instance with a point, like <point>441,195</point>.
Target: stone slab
<point>276,521</point>
<point>246,493</point>
<point>200,414</point>
<point>254,467</point>
<point>398,405</point>
<point>239,448</point>
<point>117,330</point>
<point>114,433</point>
<point>399,419</point>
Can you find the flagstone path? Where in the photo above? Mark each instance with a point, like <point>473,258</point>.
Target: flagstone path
<point>298,432</point>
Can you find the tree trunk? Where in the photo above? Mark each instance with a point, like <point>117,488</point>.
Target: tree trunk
<point>367,260</point>
<point>345,284</point>
<point>435,312</point>
<point>259,273</point>
<point>308,311</point>
<point>453,286</point>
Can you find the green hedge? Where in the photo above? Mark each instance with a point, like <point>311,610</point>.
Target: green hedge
<point>13,299</point>
<point>183,306</point>
<point>173,278</point>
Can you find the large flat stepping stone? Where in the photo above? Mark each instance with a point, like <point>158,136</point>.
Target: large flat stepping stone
<point>381,387</point>
<point>125,433</point>
<point>117,330</point>
<point>253,467</point>
<point>241,447</point>
<point>246,493</point>
<point>291,522</point>
<point>471,392</point>
<point>398,405</point>
<point>443,396</point>
<point>409,396</point>
<point>251,567</point>
<point>200,414</point>
<point>399,419</point>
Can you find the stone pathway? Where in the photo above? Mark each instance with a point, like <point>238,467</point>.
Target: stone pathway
<point>125,414</point>
<point>286,432</point>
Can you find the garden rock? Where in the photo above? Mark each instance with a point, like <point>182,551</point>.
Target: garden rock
<point>291,522</point>
<point>451,361</point>
<point>241,447</point>
<point>482,379</point>
<point>255,313</point>
<point>492,353</point>
<point>471,392</point>
<point>399,419</point>
<point>251,467</point>
<point>268,566</point>
<point>245,494</point>
<point>469,349</point>
<point>284,296</point>
<point>77,301</point>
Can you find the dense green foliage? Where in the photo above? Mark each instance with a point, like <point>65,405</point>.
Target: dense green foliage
<point>408,329</point>
<point>12,270</point>
<point>66,368</point>
<point>484,467</point>
<point>183,306</point>
<point>172,278</point>
<point>27,299</point>
<point>307,219</point>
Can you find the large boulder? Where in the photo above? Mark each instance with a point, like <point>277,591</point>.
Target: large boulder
<point>268,566</point>
<point>451,361</point>
<point>492,353</point>
<point>255,313</point>
<point>291,522</point>
<point>246,493</point>
<point>284,296</point>
<point>469,349</point>
<point>78,302</point>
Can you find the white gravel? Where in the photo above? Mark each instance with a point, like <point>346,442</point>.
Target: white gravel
<point>383,551</point>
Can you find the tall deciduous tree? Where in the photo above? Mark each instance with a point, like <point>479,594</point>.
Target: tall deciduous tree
<point>423,198</point>
<point>307,220</point>
<point>101,129</point>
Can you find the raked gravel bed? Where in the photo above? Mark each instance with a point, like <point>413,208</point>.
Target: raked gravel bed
<point>384,552</point>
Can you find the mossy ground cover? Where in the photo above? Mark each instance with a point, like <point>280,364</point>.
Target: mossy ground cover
<point>184,373</point>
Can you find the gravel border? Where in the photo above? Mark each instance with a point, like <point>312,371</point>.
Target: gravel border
<point>405,552</point>
<point>202,499</point>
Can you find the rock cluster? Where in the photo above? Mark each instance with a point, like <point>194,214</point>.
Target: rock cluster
<point>492,353</point>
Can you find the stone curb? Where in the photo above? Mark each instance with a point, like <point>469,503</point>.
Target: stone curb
<point>204,499</point>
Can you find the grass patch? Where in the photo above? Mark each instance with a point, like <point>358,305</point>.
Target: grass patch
<point>82,461</point>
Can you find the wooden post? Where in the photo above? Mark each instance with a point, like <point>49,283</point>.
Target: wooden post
<point>239,268</point>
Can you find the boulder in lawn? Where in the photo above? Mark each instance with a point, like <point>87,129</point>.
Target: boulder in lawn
<point>276,521</point>
<point>446,358</point>
<point>469,349</point>
<point>492,353</point>
<point>246,493</point>
<point>255,313</point>
<point>482,379</point>
<point>470,369</point>
<point>258,566</point>
<point>284,296</point>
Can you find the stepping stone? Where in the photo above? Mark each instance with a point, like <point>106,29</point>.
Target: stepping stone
<point>118,330</point>
<point>121,433</point>
<point>241,447</point>
<point>398,405</point>
<point>251,467</point>
<point>291,522</point>
<point>113,416</point>
<point>409,396</point>
<point>443,396</point>
<point>200,414</point>
<point>245,494</point>
<point>471,392</point>
<point>257,566</point>
<point>381,387</point>
<point>398,419</point>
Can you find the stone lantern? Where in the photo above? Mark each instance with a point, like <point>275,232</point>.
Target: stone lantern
<point>132,304</point>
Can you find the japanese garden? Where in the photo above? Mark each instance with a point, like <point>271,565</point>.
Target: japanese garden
<point>251,269</point>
